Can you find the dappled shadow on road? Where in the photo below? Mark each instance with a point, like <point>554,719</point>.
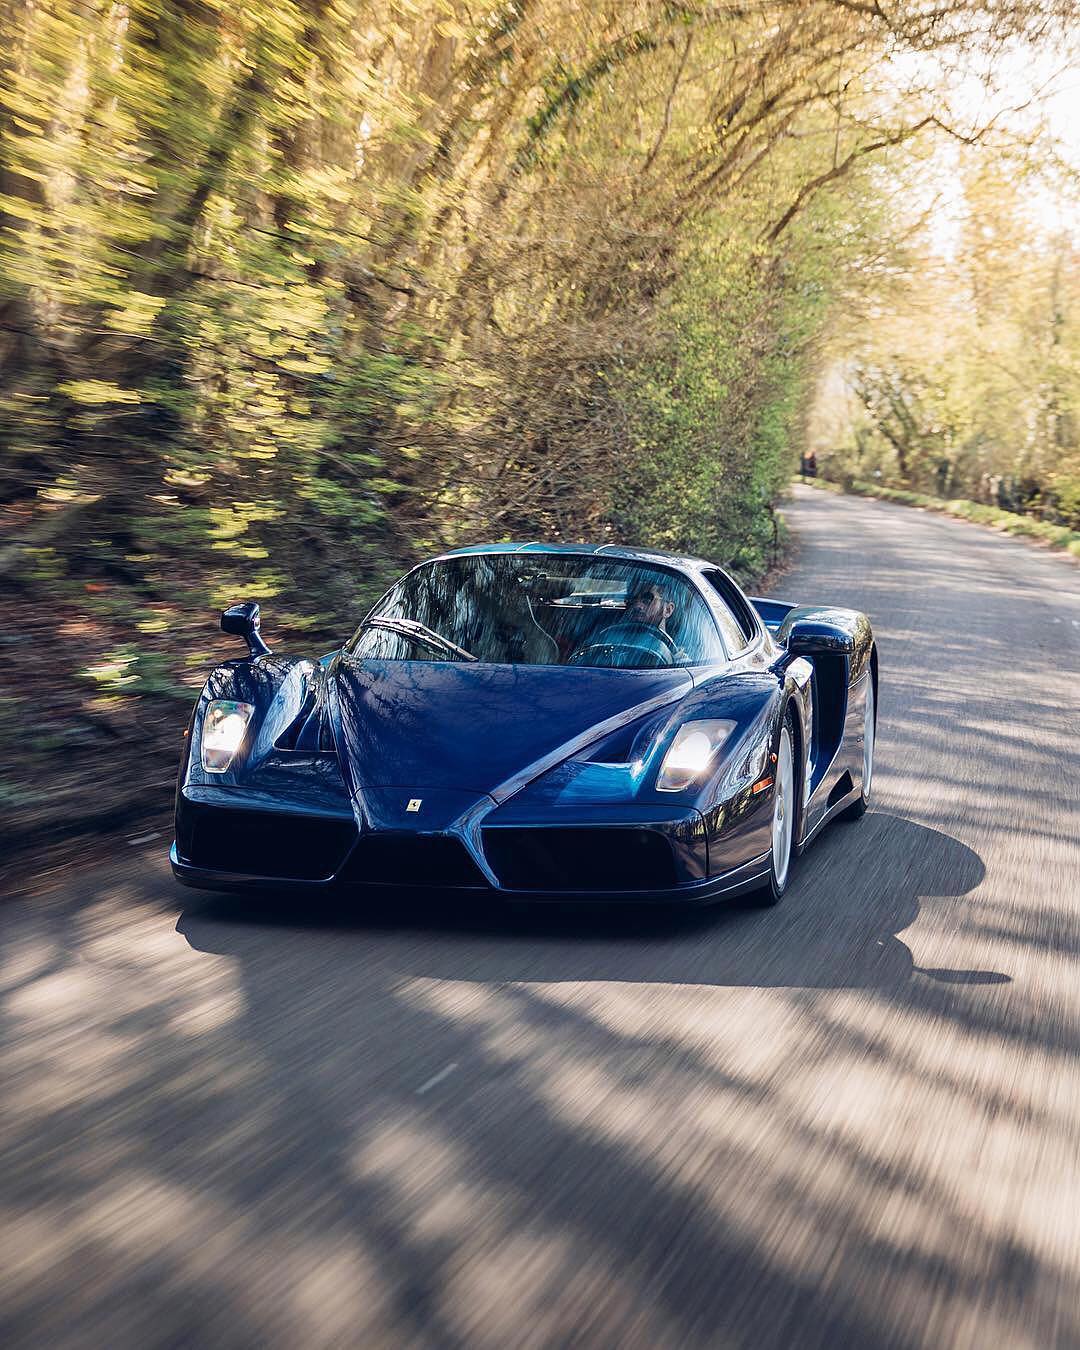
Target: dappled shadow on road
<point>856,891</point>
<point>488,1129</point>
<point>514,1157</point>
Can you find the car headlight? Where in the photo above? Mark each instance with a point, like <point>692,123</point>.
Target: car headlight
<point>224,726</point>
<point>691,752</point>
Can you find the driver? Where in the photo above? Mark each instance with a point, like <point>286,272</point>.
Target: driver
<point>639,637</point>
<point>650,602</point>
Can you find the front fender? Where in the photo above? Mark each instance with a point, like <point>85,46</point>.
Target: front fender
<point>754,701</point>
<point>279,688</point>
<point>738,818</point>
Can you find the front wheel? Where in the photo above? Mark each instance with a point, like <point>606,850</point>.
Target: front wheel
<point>857,809</point>
<point>783,819</point>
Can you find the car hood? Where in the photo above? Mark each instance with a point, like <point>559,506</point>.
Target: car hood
<point>477,728</point>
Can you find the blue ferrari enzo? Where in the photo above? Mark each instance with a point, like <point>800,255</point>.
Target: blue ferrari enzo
<point>535,721</point>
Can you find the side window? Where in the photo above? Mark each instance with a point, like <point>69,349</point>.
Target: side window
<point>736,623</point>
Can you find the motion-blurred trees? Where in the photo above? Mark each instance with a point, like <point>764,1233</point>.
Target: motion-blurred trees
<point>314,274</point>
<point>294,291</point>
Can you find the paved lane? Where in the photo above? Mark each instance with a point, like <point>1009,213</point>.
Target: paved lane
<point>851,1121</point>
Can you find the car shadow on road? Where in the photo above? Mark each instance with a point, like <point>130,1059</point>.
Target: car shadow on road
<point>855,891</point>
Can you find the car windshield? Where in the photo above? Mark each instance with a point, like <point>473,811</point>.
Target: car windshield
<point>540,609</point>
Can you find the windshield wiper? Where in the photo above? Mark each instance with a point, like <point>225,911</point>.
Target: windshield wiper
<point>420,632</point>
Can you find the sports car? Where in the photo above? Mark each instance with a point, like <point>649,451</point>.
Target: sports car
<point>535,721</point>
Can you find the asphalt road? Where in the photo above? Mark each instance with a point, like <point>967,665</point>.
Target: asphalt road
<point>850,1121</point>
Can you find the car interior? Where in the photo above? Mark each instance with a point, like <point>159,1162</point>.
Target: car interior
<point>502,610</point>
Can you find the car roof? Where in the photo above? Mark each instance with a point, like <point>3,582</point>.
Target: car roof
<point>627,551</point>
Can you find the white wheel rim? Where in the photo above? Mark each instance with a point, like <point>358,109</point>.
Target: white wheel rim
<point>783,809</point>
<point>868,741</point>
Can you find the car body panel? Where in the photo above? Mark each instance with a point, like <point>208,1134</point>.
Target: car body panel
<point>402,722</point>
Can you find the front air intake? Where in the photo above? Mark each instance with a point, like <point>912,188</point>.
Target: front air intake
<point>407,859</point>
<point>582,859</point>
<point>271,844</point>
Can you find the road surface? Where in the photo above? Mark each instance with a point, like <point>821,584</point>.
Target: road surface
<point>850,1121</point>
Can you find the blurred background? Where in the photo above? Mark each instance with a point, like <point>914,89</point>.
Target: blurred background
<point>296,292</point>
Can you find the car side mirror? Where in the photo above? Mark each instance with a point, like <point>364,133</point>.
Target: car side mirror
<point>243,621</point>
<point>812,637</point>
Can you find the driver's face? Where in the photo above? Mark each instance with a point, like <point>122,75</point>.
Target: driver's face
<point>648,605</point>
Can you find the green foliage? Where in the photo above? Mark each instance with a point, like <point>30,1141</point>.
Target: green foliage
<point>292,293</point>
<point>1063,496</point>
<point>714,407</point>
<point>968,383</point>
<point>680,493</point>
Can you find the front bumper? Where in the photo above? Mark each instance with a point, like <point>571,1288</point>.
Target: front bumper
<point>730,884</point>
<point>234,839</point>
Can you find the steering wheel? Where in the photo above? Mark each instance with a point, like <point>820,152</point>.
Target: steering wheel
<point>629,643</point>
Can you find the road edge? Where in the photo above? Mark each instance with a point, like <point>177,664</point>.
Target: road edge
<point>1056,539</point>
